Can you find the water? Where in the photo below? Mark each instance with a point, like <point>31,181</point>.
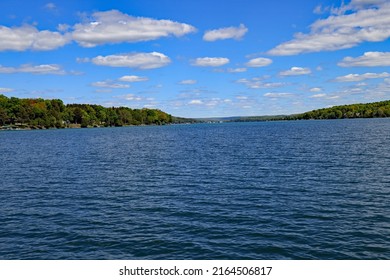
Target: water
<point>270,190</point>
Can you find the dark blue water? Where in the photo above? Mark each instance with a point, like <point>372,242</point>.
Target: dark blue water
<point>270,190</point>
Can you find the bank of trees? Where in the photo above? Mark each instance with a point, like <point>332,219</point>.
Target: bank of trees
<point>54,113</point>
<point>367,110</point>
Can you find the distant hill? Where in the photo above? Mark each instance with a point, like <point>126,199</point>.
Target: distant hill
<point>179,120</point>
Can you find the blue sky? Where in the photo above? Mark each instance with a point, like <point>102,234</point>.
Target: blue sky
<point>197,58</point>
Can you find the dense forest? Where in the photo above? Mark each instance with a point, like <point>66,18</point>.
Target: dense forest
<point>367,110</point>
<point>41,113</point>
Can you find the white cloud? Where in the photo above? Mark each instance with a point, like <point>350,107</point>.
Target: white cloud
<point>319,95</point>
<point>225,33</point>
<point>109,84</point>
<point>28,37</point>
<point>47,40</point>
<point>278,94</point>
<point>358,4</point>
<point>295,71</point>
<point>368,59</point>
<point>4,90</point>
<point>42,69</point>
<point>196,102</point>
<point>325,96</point>
<point>361,77</point>
<point>63,27</point>
<point>187,82</point>
<point>348,28</point>
<point>116,27</point>
<point>150,105</point>
<point>102,28</point>
<point>133,79</point>
<point>210,61</point>
<point>315,89</point>
<point>133,60</point>
<point>259,62</point>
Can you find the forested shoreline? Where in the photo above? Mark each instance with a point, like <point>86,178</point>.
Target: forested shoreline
<point>44,113</point>
<point>29,113</point>
<point>362,110</point>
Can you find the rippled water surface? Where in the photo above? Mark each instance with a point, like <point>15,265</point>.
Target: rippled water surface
<point>269,190</point>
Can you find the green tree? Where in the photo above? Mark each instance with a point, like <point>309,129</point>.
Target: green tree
<point>3,116</point>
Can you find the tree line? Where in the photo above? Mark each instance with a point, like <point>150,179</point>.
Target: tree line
<point>45,113</point>
<point>362,110</point>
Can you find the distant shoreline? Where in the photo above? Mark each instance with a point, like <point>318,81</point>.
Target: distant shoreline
<point>36,114</point>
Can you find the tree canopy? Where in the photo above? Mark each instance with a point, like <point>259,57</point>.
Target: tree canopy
<point>41,113</point>
<point>368,110</point>
<point>364,110</point>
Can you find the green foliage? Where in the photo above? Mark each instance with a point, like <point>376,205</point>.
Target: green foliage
<point>368,110</point>
<point>41,113</point>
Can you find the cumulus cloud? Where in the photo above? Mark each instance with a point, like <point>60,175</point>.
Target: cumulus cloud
<point>368,59</point>
<point>315,89</point>
<point>361,77</point>
<point>43,69</point>
<point>116,27</point>
<point>295,71</point>
<point>133,60</point>
<point>351,25</point>
<point>318,95</point>
<point>259,62</point>
<point>102,28</point>
<point>210,61</point>
<point>133,79</point>
<point>195,102</point>
<point>357,4</point>
<point>28,37</point>
<point>225,33</point>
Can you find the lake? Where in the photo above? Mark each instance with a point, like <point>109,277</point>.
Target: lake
<point>266,190</point>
